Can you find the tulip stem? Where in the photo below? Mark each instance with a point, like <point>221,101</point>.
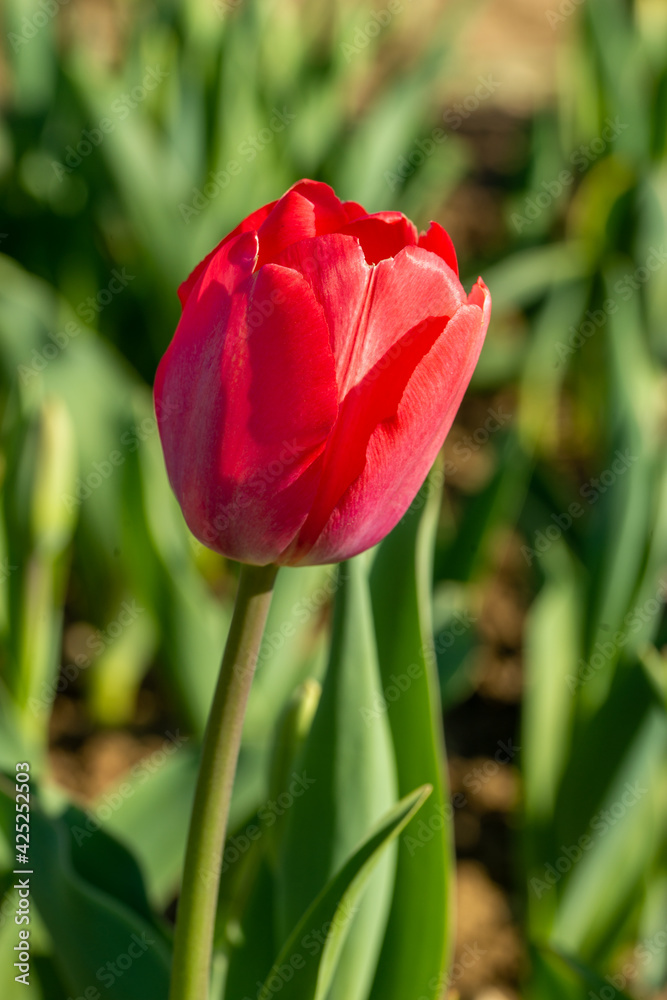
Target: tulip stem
<point>195,921</point>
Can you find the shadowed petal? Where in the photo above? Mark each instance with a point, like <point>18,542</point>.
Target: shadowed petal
<point>249,224</point>
<point>253,374</point>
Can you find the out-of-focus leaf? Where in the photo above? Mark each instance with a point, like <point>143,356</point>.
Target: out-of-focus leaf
<point>293,647</point>
<point>41,469</point>
<point>499,503</point>
<point>598,750</point>
<point>625,489</point>
<point>626,833</point>
<point>9,939</point>
<point>545,365</point>
<point>524,277</point>
<point>31,46</point>
<point>98,940</point>
<point>552,650</point>
<point>651,957</point>
<point>560,977</point>
<point>291,733</point>
<point>152,819</point>
<point>147,170</point>
<point>454,639</point>
<point>623,72</point>
<point>103,862</point>
<point>119,671</point>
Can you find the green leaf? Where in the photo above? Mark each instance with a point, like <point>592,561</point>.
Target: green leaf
<point>499,503</point>
<point>598,750</point>
<point>104,862</point>
<point>119,671</point>
<point>246,905</point>
<point>33,65</point>
<point>98,940</point>
<point>9,938</point>
<point>291,733</point>
<point>41,468</point>
<point>628,512</point>
<point>545,363</point>
<point>418,939</point>
<point>627,834</point>
<point>293,648</point>
<point>153,818</point>
<point>351,766</point>
<point>399,115</point>
<point>455,639</point>
<point>553,636</point>
<point>588,852</point>
<point>561,977</point>
<point>312,951</point>
<point>253,939</point>
<point>526,275</point>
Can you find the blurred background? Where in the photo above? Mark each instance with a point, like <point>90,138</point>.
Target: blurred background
<point>134,135</point>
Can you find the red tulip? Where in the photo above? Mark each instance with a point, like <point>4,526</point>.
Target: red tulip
<point>317,367</point>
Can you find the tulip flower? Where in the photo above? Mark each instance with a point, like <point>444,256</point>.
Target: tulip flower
<point>318,365</point>
<point>320,359</point>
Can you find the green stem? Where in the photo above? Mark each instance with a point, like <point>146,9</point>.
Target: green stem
<point>195,922</point>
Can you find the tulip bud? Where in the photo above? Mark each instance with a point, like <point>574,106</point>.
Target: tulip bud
<point>318,365</point>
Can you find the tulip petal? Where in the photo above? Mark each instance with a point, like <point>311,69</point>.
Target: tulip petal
<point>369,309</point>
<point>292,219</point>
<point>382,235</point>
<point>406,291</point>
<point>253,374</point>
<point>371,402</point>
<point>328,214</point>
<point>252,222</point>
<point>438,240</point>
<point>353,210</point>
<point>401,447</point>
<point>339,276</point>
<point>480,296</point>
<point>296,217</point>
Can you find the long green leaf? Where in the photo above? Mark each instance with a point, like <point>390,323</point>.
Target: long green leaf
<point>418,940</point>
<point>309,957</point>
<point>352,782</point>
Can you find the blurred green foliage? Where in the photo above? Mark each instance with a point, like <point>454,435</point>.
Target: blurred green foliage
<point>133,137</point>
